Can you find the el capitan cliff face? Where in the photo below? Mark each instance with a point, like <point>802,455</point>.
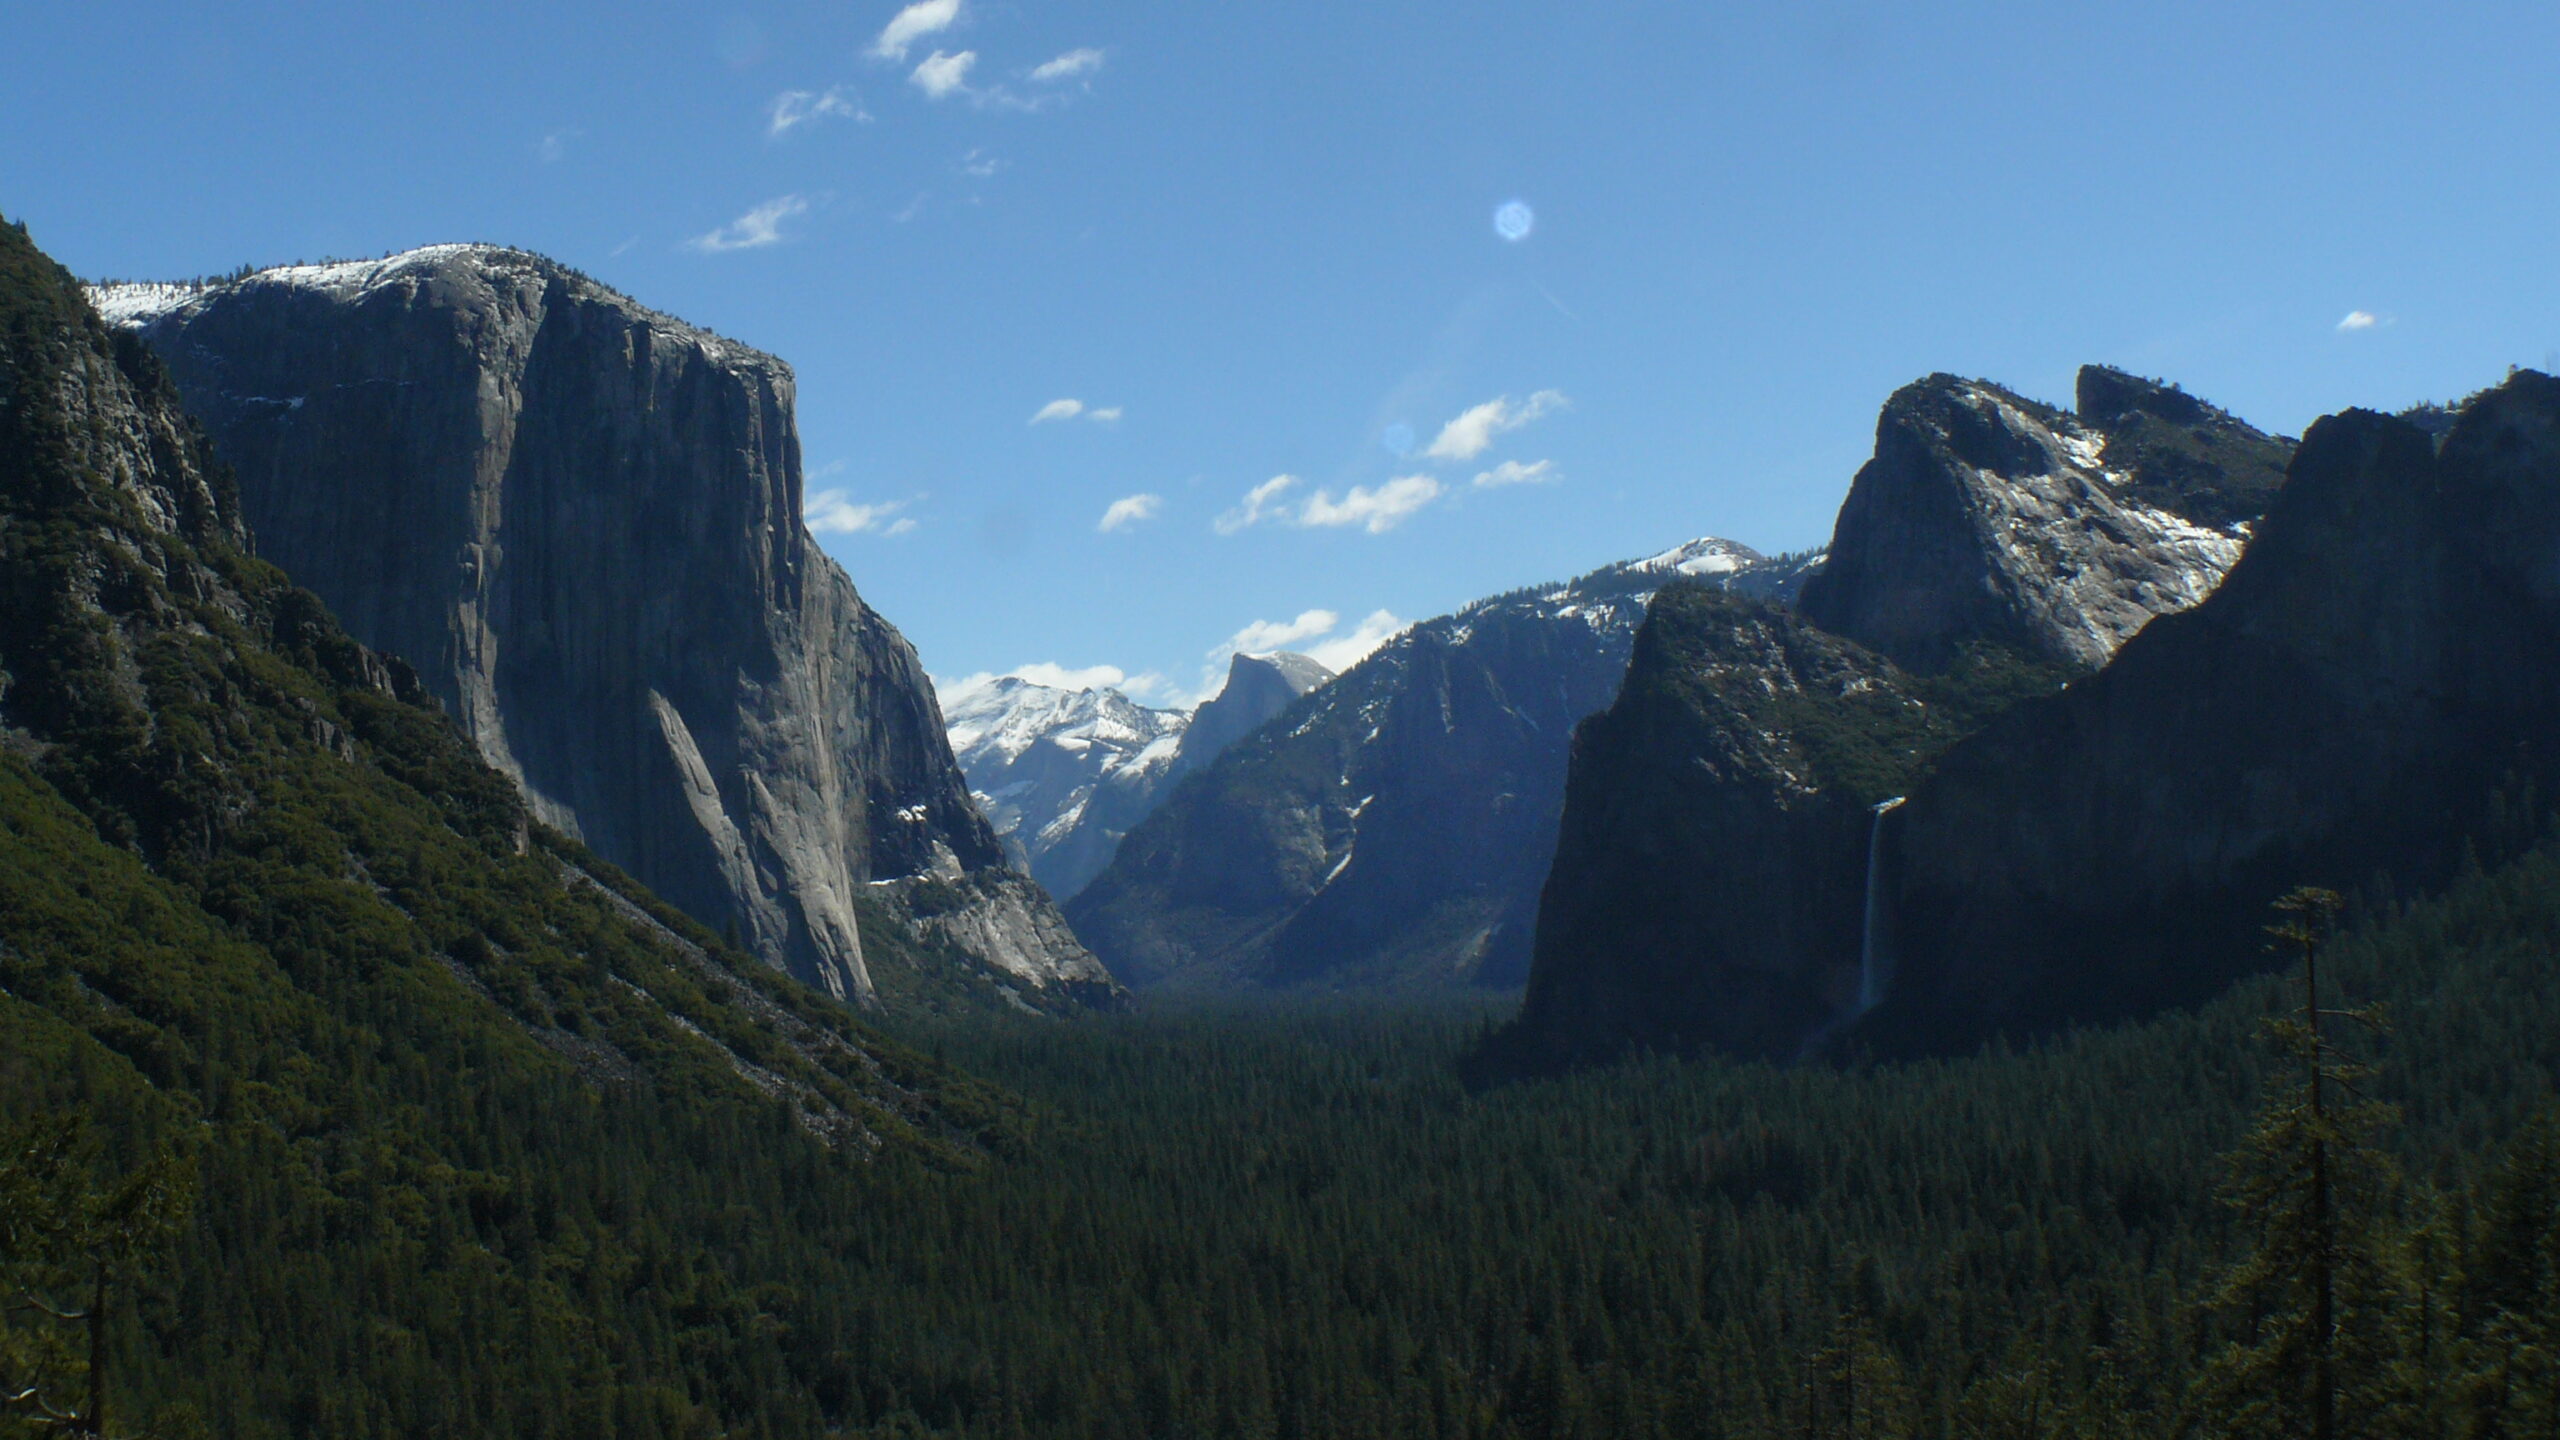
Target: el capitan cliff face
<point>580,520</point>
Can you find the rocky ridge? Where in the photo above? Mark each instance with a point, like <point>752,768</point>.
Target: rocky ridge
<point>1390,830</point>
<point>1711,886</point>
<point>2371,693</point>
<point>1063,774</point>
<point>580,520</point>
<point>1986,516</point>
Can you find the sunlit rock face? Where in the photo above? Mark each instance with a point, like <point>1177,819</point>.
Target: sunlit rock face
<point>1725,878</point>
<point>580,520</point>
<point>1985,516</point>
<point>1064,774</point>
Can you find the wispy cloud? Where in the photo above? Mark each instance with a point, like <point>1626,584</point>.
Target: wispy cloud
<point>1107,415</point>
<point>1070,65</point>
<point>979,165</point>
<point>833,512</point>
<point>754,230</point>
<point>940,75</point>
<point>1467,436</point>
<point>555,146</point>
<point>1512,472</point>
<point>1057,677</point>
<point>1264,636</point>
<point>1130,510</point>
<point>925,17</point>
<point>1057,410</point>
<point>1259,504</point>
<point>2358,320</point>
<point>794,108</point>
<point>1315,634</point>
<point>1376,511</point>
<point>1341,652</point>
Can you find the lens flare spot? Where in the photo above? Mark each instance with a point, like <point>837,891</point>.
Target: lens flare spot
<point>1398,438</point>
<point>1514,221</point>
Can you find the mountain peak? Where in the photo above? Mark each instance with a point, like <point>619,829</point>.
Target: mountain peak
<point>1986,516</point>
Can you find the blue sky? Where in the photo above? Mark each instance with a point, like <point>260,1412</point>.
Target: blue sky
<point>1256,241</point>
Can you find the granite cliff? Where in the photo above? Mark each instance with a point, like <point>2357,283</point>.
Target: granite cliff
<point>580,520</point>
<point>2373,691</point>
<point>1721,822</point>
<point>239,845</point>
<point>1988,517</point>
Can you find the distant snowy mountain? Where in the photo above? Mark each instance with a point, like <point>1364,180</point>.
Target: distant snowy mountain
<point>1063,774</point>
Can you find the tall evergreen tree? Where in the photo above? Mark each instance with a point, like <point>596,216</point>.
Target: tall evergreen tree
<point>2320,1305</point>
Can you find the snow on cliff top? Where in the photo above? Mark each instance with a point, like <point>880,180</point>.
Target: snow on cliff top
<point>137,304</point>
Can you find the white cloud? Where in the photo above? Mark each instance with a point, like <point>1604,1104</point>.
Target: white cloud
<point>832,512</point>
<point>1256,507</point>
<point>1312,633</point>
<point>754,230</point>
<point>1512,472</point>
<point>2359,320</point>
<point>1263,636</point>
<point>794,108</point>
<point>925,17</point>
<point>979,165</point>
<point>1341,652</point>
<point>1467,436</point>
<point>1070,65</point>
<point>1378,511</point>
<point>940,75</point>
<point>1130,510</point>
<point>555,146</point>
<point>1059,677</point>
<point>1107,415</point>
<point>1058,410</point>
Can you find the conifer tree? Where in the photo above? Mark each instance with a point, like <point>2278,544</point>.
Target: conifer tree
<point>2513,1389</point>
<point>61,1237</point>
<point>2319,1305</point>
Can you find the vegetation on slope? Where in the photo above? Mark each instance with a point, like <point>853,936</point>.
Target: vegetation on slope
<point>483,1139</point>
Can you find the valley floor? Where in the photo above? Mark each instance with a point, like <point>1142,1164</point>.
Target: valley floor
<point>1300,1222</point>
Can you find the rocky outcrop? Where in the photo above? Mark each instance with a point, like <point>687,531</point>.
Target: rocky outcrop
<point>1987,517</point>
<point>1721,836</point>
<point>2379,669</point>
<point>580,520</point>
<point>1390,830</point>
<point>1064,774</point>
<point>1258,687</point>
<point>2372,690</point>
<point>1708,882</point>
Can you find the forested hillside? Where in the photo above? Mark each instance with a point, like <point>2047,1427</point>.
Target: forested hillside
<point>440,1124</point>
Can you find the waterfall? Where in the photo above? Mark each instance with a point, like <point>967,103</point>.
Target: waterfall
<point>1873,971</point>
